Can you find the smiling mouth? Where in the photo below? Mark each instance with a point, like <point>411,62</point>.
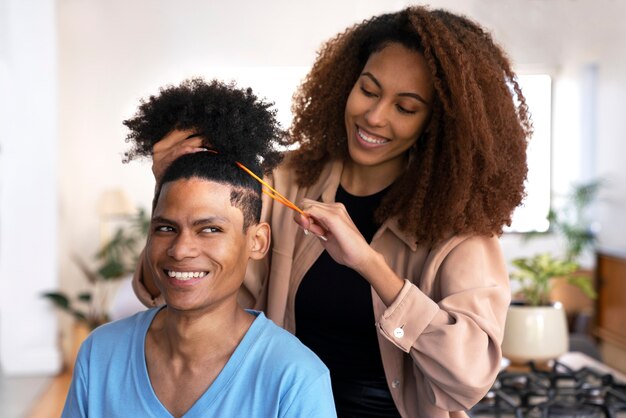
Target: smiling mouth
<point>185,275</point>
<point>370,139</point>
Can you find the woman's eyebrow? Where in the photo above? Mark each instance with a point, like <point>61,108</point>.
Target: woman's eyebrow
<point>407,94</point>
<point>371,77</point>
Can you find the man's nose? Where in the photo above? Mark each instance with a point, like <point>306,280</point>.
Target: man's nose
<point>184,246</point>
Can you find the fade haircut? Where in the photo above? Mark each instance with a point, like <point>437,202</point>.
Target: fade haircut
<point>234,124</point>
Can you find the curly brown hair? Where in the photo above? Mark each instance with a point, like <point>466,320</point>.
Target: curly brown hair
<point>466,173</point>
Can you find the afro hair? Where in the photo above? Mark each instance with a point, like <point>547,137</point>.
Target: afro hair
<point>231,121</point>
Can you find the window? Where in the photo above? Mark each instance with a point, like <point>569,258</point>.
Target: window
<point>532,215</point>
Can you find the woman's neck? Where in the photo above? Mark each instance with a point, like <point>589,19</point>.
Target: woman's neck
<point>360,180</point>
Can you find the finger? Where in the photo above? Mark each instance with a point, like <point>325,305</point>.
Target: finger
<point>174,137</point>
<point>302,221</point>
<point>178,149</point>
<point>318,213</point>
<point>317,227</point>
<point>182,150</point>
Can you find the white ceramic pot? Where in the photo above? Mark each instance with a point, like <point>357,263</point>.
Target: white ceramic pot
<point>535,333</point>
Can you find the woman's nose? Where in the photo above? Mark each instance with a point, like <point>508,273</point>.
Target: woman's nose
<point>376,115</point>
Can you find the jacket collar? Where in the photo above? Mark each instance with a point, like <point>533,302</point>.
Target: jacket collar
<point>327,187</point>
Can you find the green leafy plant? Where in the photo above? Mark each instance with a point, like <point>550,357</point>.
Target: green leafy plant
<point>115,259</point>
<point>536,273</point>
<point>571,221</point>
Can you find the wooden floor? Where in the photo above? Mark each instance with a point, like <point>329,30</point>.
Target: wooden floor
<point>51,402</point>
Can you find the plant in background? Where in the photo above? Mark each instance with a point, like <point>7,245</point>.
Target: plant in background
<point>572,222</point>
<point>116,259</point>
<point>536,273</point>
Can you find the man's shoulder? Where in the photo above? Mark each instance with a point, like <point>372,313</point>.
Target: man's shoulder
<point>284,348</point>
<point>115,332</point>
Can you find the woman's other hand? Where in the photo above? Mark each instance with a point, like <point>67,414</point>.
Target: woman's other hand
<point>340,237</point>
<point>172,146</point>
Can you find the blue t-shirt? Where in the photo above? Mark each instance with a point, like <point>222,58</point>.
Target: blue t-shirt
<point>270,374</point>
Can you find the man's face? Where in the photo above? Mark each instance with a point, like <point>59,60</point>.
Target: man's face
<point>197,249</point>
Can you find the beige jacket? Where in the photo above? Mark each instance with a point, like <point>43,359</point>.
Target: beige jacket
<point>439,340</point>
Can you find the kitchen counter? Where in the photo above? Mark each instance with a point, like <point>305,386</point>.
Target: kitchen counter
<point>576,360</point>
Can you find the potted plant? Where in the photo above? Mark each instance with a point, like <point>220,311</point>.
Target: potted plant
<point>572,223</point>
<point>116,259</point>
<point>537,326</point>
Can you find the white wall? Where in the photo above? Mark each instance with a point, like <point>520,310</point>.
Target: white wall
<point>28,187</point>
<point>583,44</point>
<point>114,52</point>
<point>111,53</point>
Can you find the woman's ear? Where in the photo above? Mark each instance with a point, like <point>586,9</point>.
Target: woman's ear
<point>260,237</point>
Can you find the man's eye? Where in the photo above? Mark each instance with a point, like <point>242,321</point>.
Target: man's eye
<point>211,229</point>
<point>163,228</point>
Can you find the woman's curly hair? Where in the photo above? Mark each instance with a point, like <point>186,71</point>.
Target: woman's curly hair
<point>232,121</point>
<point>466,173</point>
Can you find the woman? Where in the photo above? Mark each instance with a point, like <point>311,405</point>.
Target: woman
<point>412,134</point>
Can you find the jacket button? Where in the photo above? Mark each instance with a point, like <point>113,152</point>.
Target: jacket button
<point>395,383</point>
<point>398,332</point>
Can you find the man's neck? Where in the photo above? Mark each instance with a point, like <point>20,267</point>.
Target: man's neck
<point>199,336</point>
<point>185,352</point>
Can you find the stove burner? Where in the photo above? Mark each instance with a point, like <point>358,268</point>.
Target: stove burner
<point>573,410</point>
<point>559,392</point>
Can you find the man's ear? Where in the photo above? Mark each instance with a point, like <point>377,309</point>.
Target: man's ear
<point>260,237</point>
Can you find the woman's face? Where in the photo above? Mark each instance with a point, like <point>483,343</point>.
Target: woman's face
<point>388,107</point>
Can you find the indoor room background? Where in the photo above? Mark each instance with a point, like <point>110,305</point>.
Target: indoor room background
<point>72,70</point>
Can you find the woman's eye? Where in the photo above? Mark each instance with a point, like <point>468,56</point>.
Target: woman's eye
<point>367,93</point>
<point>405,110</point>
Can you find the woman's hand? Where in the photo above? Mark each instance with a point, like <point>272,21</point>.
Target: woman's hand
<point>172,146</point>
<point>345,244</point>
<point>340,237</point>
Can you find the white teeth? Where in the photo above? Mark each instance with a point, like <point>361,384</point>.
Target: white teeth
<point>185,275</point>
<point>369,139</point>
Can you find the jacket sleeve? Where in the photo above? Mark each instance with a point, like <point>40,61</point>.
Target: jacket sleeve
<point>454,341</point>
<point>143,284</point>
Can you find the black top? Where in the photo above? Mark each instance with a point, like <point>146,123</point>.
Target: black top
<point>334,312</point>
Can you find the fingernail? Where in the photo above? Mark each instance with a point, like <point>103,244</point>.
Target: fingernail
<point>322,237</point>
<point>306,232</point>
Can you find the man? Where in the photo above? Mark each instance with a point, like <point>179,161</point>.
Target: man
<point>202,355</point>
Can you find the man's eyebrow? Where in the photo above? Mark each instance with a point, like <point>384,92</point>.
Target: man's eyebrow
<point>202,221</point>
<point>407,94</point>
<point>211,220</point>
<point>160,219</point>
